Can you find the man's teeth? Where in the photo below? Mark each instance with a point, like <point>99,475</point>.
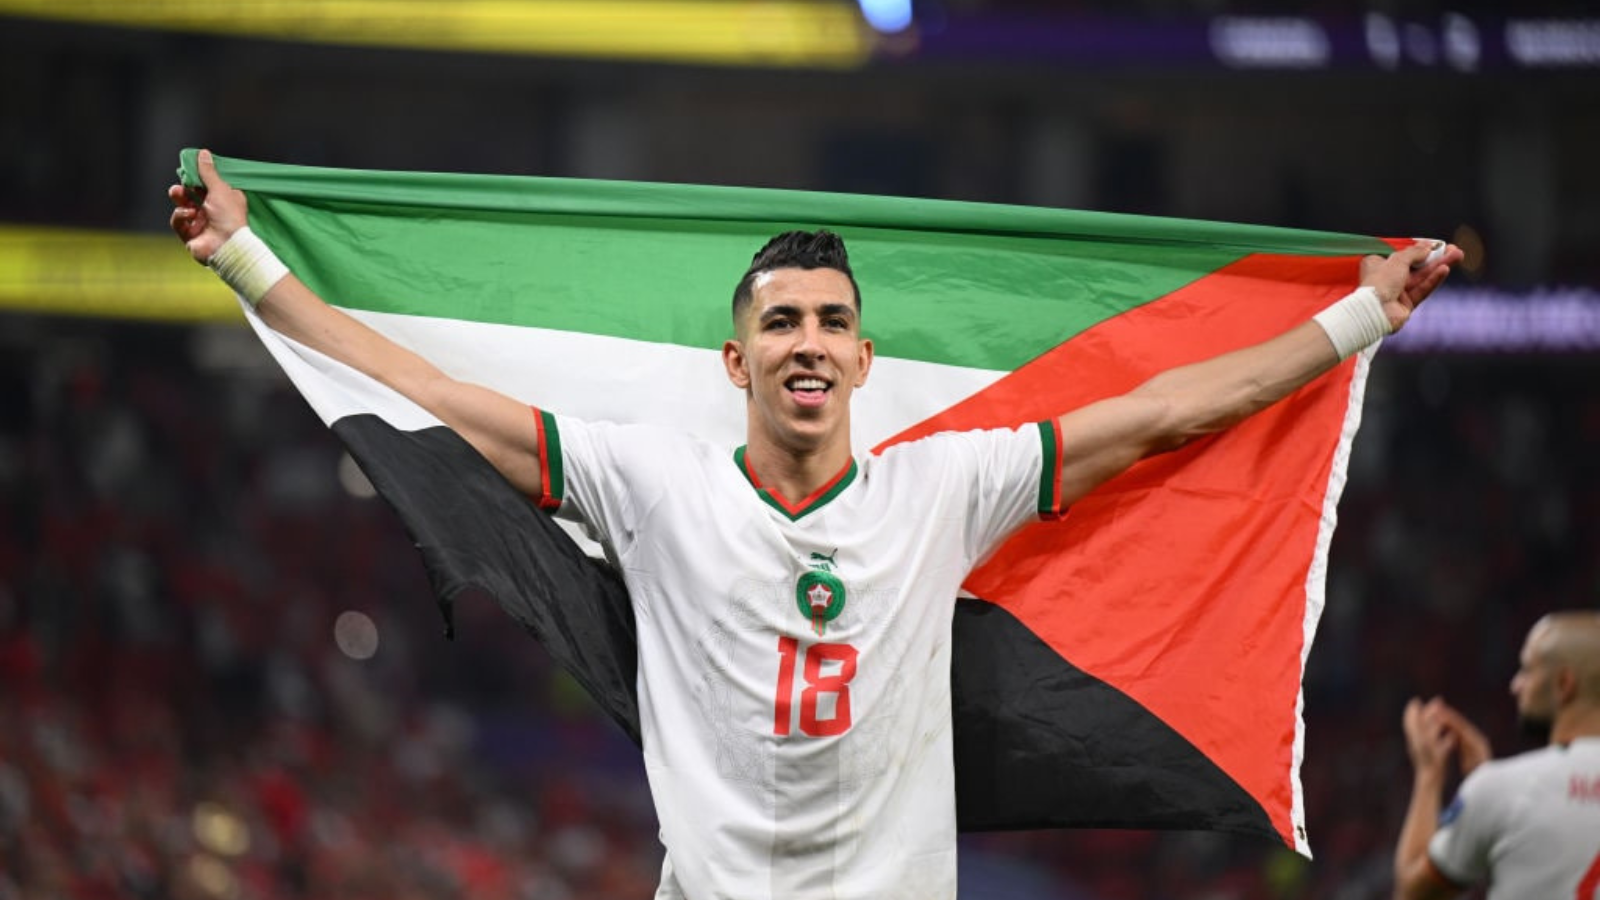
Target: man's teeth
<point>808,384</point>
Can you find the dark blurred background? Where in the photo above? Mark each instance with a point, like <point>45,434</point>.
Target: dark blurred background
<point>221,672</point>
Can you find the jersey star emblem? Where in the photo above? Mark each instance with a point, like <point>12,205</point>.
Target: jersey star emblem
<point>820,596</point>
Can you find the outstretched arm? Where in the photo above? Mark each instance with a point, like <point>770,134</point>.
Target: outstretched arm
<point>1433,732</point>
<point>1102,439</point>
<point>501,428</point>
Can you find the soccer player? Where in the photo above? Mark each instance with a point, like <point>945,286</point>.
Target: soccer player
<point>1528,825</point>
<point>794,603</point>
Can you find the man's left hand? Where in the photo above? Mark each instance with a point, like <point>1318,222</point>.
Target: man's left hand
<point>1403,281</point>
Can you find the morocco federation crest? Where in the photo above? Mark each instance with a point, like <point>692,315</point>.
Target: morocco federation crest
<point>819,593</point>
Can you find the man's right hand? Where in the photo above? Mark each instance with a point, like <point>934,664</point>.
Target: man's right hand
<point>1429,740</point>
<point>205,219</point>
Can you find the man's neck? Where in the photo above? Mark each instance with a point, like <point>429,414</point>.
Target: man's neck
<point>1576,723</point>
<point>794,475</point>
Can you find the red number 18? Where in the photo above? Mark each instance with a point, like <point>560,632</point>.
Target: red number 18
<point>836,683</point>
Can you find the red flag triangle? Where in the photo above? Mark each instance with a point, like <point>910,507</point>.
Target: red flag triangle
<point>1183,582</point>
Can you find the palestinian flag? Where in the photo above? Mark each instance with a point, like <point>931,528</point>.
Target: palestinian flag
<point>1136,664</point>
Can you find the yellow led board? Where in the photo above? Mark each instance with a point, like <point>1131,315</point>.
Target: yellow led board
<point>819,33</point>
<point>107,274</point>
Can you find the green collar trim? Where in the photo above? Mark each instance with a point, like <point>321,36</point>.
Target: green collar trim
<point>818,498</point>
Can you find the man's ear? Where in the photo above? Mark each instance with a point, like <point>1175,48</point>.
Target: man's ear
<point>864,358</point>
<point>1566,685</point>
<point>734,361</point>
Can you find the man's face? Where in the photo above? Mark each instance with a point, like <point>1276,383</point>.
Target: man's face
<point>1534,686</point>
<point>799,356</point>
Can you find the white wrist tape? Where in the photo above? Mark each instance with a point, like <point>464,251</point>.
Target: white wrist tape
<point>1354,323</point>
<point>246,264</point>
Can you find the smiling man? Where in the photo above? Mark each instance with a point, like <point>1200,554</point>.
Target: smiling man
<point>794,602</point>
<point>798,355</point>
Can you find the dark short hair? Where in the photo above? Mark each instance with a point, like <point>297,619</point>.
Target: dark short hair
<point>821,249</point>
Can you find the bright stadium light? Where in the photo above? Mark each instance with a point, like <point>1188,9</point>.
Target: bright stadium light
<point>1553,43</point>
<point>887,16</point>
<point>1383,40</point>
<point>1283,42</point>
<point>1462,45</point>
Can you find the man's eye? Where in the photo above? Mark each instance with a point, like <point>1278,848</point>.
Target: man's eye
<point>777,324</point>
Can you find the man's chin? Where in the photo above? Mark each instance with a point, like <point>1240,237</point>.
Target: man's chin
<point>811,422</point>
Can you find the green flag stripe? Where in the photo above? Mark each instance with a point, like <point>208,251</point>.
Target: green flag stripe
<point>671,281</point>
<point>658,262</point>
<point>625,199</point>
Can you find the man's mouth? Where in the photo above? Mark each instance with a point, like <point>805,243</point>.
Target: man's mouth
<point>808,390</point>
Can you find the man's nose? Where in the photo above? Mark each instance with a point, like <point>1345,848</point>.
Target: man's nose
<point>809,343</point>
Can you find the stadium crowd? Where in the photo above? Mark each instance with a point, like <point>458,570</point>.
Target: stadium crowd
<point>222,674</point>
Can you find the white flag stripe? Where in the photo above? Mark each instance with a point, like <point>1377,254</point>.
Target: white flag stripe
<point>602,379</point>
<point>333,389</point>
<point>1316,584</point>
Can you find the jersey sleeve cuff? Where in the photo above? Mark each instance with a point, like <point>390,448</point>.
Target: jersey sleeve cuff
<point>552,482</point>
<point>1050,470</point>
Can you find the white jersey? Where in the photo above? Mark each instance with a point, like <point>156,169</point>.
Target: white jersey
<point>1529,825</point>
<point>794,660</point>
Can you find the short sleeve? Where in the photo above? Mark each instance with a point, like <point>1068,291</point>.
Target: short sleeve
<point>599,474</point>
<point>1006,478</point>
<point>1467,827</point>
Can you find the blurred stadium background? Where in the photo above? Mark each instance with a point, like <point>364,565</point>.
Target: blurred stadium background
<point>221,674</point>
